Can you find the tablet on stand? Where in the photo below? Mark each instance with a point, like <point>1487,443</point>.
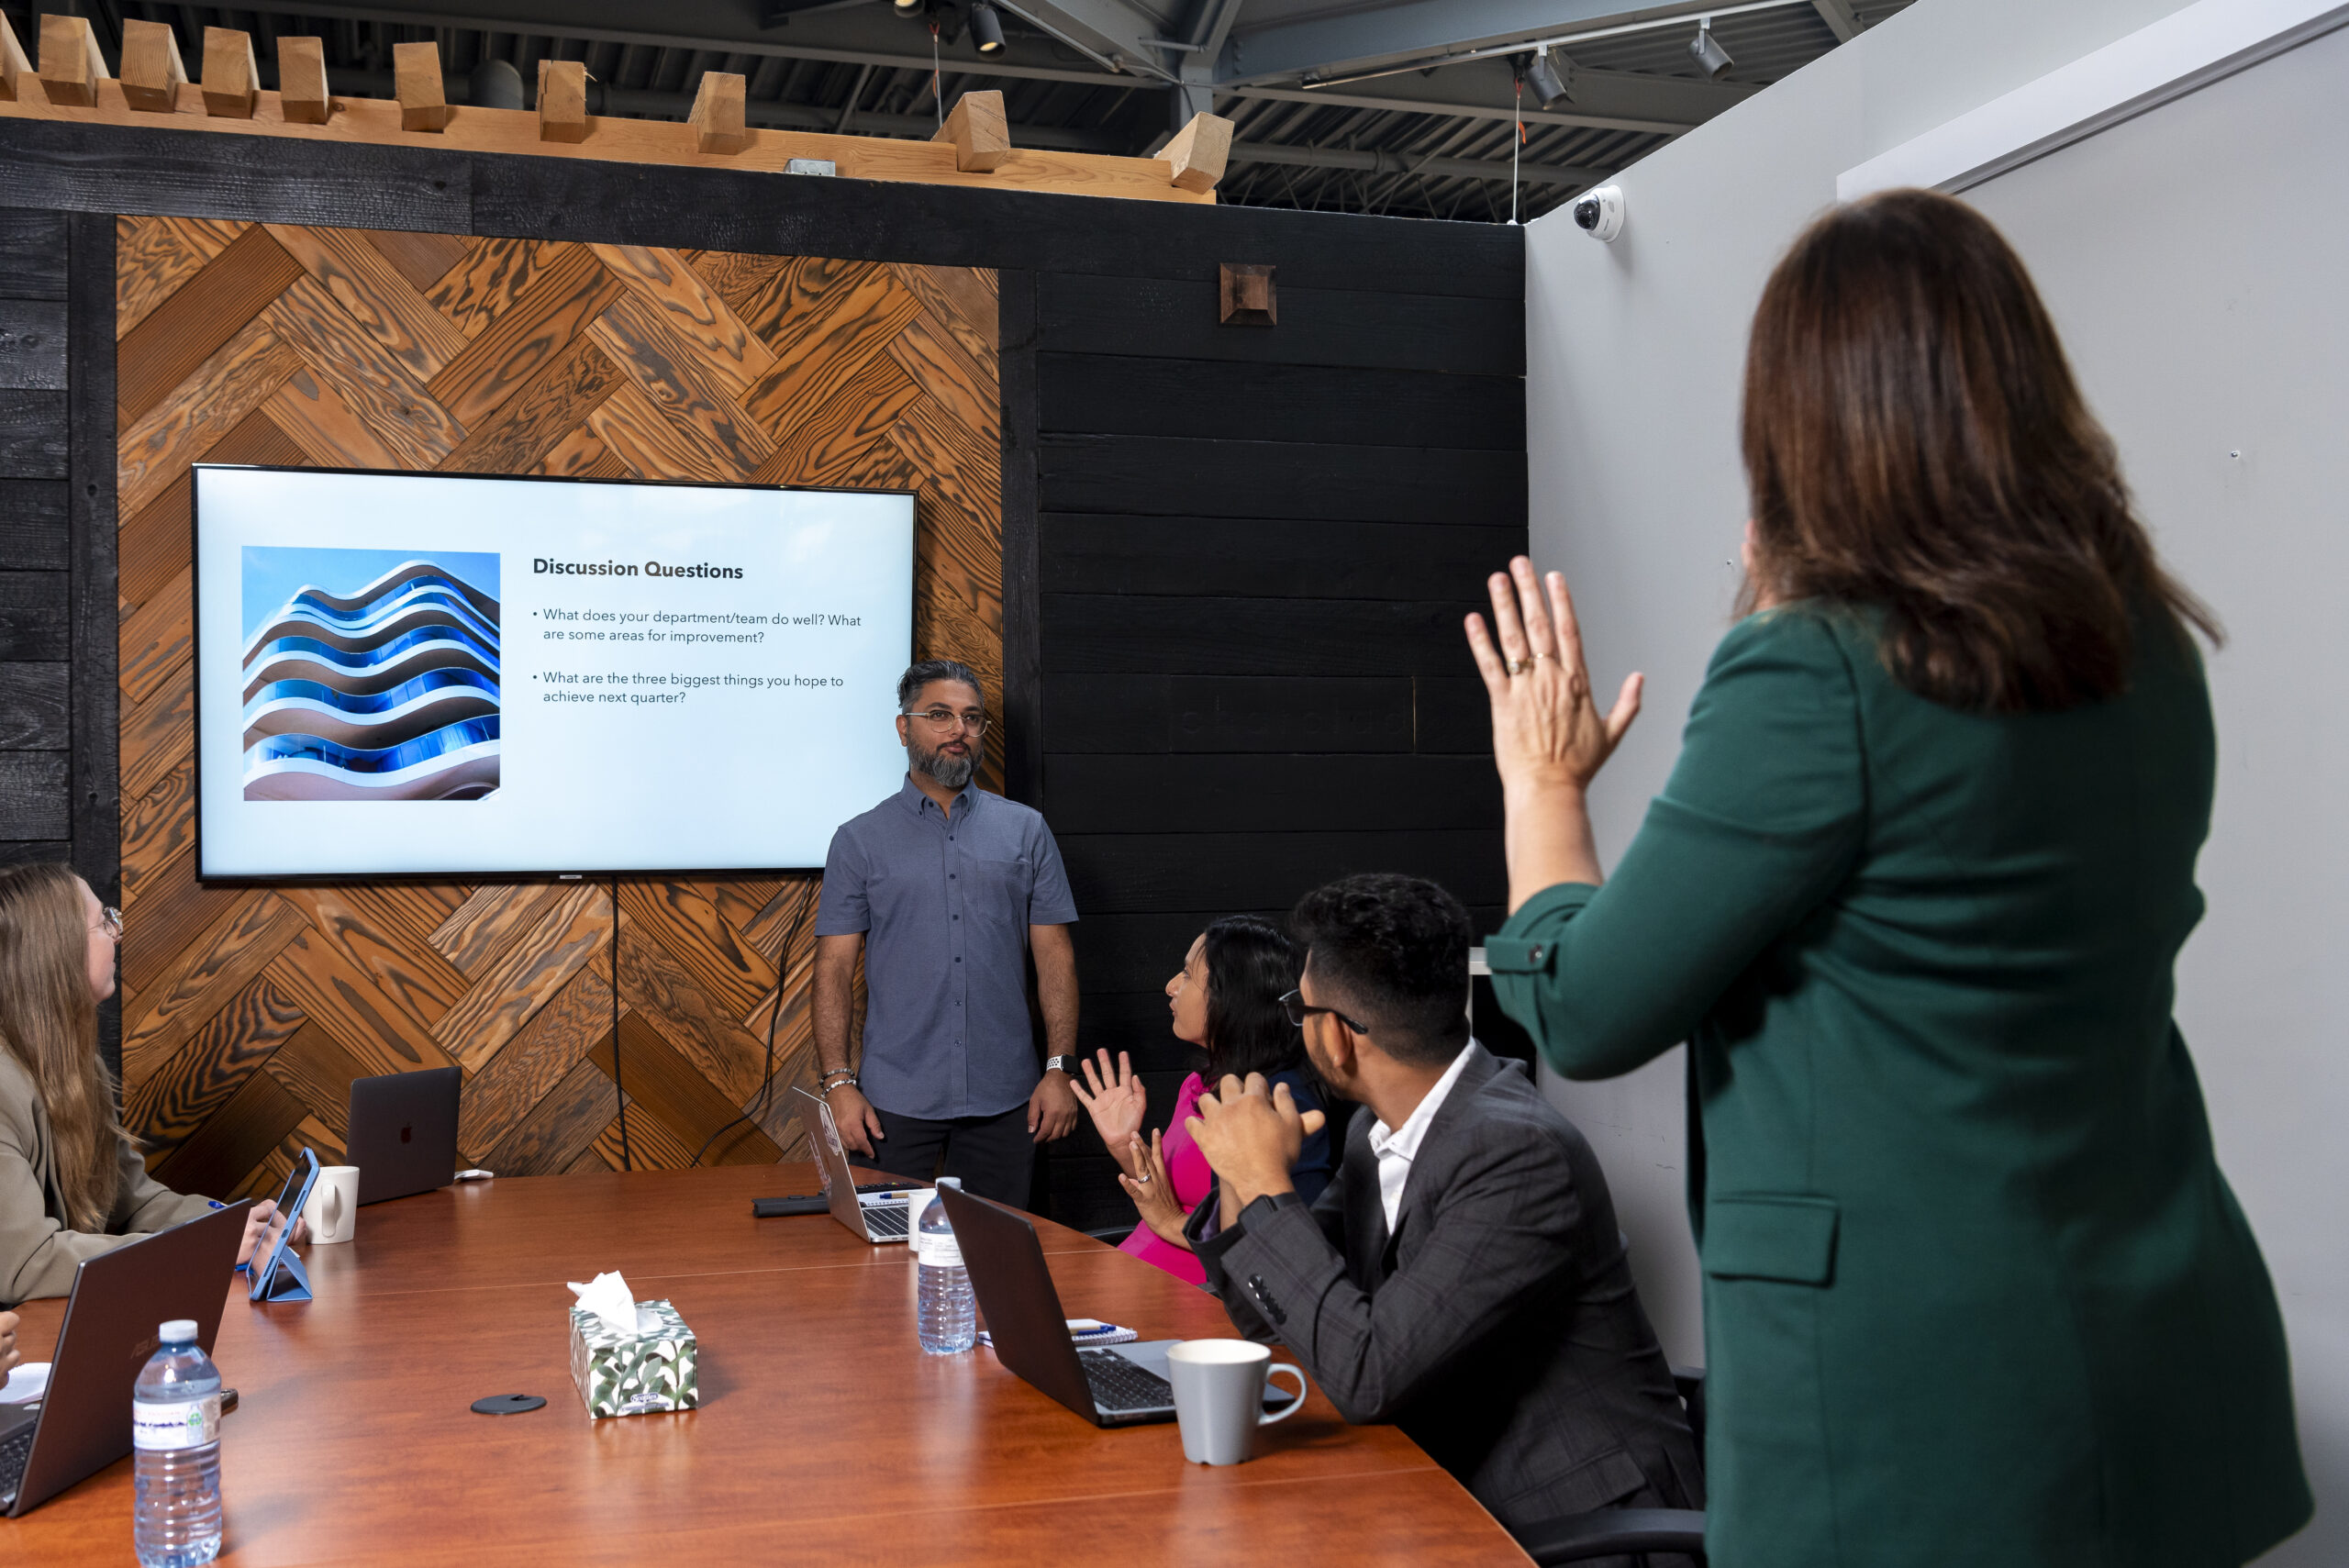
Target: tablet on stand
<point>278,1274</point>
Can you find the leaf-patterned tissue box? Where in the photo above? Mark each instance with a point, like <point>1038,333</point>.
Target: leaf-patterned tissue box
<point>634,1375</point>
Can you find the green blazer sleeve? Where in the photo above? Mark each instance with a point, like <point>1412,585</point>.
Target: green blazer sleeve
<point>1762,818</point>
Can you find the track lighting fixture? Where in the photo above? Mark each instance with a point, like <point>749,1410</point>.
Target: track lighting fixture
<point>1549,83</point>
<point>1706,50</point>
<point>986,28</point>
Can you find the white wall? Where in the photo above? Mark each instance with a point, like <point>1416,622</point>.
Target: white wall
<point>2196,337</point>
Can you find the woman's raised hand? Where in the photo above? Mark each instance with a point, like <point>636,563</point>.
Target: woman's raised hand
<point>1547,729</point>
<point>1116,1100</point>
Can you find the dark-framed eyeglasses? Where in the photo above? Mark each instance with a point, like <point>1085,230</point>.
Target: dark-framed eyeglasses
<point>1297,1009</point>
<point>940,718</point>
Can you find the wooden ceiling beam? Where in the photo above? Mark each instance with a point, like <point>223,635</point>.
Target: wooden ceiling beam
<point>230,103</point>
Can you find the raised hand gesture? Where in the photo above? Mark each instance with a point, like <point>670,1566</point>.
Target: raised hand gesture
<point>1546,724</point>
<point>1117,1101</point>
<point>1549,738</point>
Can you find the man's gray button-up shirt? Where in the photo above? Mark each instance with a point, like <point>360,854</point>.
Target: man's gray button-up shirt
<point>944,905</point>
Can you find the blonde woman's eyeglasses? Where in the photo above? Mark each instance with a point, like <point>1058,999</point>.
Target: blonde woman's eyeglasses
<point>110,921</point>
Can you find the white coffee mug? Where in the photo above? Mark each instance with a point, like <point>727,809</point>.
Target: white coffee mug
<point>333,1208</point>
<point>1220,1397</point>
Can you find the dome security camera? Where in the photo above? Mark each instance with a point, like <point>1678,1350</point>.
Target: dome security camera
<point>1598,212</point>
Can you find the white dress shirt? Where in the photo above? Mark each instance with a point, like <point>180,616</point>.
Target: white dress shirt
<point>1396,1148</point>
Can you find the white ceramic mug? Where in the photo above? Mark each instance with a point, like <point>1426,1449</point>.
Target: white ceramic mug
<point>1220,1397</point>
<point>333,1208</point>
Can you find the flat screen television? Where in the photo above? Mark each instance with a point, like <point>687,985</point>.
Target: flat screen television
<point>432,675</point>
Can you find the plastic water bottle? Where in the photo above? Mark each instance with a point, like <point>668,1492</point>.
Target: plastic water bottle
<point>944,1316</point>
<point>175,1429</point>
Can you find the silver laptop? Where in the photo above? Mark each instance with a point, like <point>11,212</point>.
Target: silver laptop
<point>876,1217</point>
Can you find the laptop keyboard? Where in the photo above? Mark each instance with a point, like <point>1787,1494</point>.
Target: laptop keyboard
<point>1119,1384</point>
<point>16,1452</point>
<point>885,1224</point>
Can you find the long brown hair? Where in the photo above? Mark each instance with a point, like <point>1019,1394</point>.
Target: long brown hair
<point>49,1023</point>
<point>1914,441</point>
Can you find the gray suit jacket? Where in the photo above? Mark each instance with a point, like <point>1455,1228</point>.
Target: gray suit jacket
<point>37,1253</point>
<point>1498,1326</point>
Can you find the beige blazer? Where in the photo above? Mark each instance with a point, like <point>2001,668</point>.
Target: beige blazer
<point>37,1251</point>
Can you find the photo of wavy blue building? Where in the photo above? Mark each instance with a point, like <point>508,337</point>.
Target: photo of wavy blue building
<point>369,674</point>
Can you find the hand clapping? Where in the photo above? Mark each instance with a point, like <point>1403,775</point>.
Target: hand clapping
<point>1152,1190</point>
<point>1251,1134</point>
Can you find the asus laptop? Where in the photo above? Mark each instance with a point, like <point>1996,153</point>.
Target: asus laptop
<point>1116,1386</point>
<point>81,1423</point>
<point>403,1132</point>
<point>877,1217</point>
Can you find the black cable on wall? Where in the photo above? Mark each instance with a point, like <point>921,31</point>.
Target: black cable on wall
<point>628,1161</point>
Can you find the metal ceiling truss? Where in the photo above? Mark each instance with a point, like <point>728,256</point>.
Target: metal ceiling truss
<point>1413,108</point>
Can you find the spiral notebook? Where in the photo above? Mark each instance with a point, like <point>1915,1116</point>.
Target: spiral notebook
<point>1084,1332</point>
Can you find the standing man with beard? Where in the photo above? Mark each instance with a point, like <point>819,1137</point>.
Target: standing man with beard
<point>947,890</point>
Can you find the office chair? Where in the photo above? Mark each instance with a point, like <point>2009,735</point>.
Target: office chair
<point>1615,1532</point>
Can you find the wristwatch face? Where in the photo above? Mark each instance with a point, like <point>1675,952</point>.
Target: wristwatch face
<point>1059,1064</point>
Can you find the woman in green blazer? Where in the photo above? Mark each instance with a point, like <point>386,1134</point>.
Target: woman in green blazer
<point>1976,1292</point>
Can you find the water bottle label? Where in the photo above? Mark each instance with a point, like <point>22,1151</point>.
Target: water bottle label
<point>937,1252</point>
<point>191,1424</point>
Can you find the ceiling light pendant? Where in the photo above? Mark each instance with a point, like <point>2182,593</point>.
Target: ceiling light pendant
<point>986,29</point>
<point>1706,50</point>
<point>1550,84</point>
<point>908,7</point>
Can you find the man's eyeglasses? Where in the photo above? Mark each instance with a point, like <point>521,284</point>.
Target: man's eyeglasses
<point>938,718</point>
<point>110,921</point>
<point>1297,1008</point>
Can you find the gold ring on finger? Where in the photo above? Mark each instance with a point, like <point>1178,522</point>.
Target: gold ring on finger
<point>1520,666</point>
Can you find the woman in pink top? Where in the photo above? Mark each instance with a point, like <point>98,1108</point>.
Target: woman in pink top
<point>1227,1001</point>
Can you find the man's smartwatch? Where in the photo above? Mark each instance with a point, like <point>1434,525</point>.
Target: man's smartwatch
<point>1060,1064</point>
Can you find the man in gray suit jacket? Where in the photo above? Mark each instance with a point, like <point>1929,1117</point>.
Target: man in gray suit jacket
<point>1463,1276</point>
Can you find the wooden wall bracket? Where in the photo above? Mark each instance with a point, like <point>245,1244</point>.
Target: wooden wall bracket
<point>16,70</point>
<point>302,96</point>
<point>231,76</point>
<point>416,79</point>
<point>563,100</point>
<point>979,130</point>
<point>1246,291</point>
<point>716,119</point>
<point>1195,158</point>
<point>152,71</point>
<point>71,65</point>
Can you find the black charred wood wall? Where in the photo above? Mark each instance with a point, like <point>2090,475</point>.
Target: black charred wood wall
<point>1235,559</point>
<point>58,798</point>
<point>1256,546</point>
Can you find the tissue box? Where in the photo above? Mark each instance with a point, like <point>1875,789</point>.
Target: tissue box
<point>634,1375</point>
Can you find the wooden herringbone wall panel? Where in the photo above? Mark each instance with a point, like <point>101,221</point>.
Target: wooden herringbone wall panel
<point>248,1011</point>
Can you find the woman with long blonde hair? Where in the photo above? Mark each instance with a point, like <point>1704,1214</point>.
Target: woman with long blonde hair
<point>71,1182</point>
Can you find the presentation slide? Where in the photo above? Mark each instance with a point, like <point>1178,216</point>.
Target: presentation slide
<point>419,673</point>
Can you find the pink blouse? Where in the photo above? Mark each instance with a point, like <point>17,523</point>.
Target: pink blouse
<point>1187,1168</point>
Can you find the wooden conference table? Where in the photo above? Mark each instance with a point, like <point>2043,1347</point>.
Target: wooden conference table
<point>825,1435</point>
